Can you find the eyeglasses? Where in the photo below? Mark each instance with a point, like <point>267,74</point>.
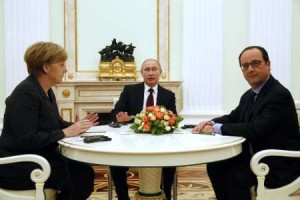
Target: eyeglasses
<point>254,64</point>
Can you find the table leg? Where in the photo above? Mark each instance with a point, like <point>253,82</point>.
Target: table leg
<point>150,179</point>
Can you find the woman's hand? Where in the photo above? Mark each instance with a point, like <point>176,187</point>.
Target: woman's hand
<point>91,116</point>
<point>81,126</point>
<point>77,128</point>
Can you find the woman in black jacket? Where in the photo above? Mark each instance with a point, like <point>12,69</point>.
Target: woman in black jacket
<point>32,125</point>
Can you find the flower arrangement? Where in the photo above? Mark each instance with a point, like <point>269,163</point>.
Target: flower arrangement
<point>156,120</point>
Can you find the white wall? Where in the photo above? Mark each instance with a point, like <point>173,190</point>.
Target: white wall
<point>56,20</point>
<point>135,24</point>
<point>176,33</point>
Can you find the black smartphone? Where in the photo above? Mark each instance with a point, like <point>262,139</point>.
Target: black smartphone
<point>96,138</point>
<point>114,124</point>
<point>188,126</point>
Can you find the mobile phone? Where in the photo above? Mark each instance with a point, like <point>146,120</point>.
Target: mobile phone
<point>96,138</point>
<point>188,126</point>
<point>114,124</point>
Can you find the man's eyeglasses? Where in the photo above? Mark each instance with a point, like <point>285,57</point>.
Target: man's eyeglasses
<point>254,64</point>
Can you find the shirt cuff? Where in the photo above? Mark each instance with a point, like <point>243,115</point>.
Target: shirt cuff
<point>217,128</point>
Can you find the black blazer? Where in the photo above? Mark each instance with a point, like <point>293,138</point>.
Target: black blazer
<point>274,125</point>
<point>32,125</point>
<point>132,98</point>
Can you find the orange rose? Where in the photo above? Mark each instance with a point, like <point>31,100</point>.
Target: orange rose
<point>156,108</point>
<point>155,120</point>
<point>145,119</point>
<point>149,109</point>
<point>159,115</point>
<point>147,127</point>
<point>172,121</point>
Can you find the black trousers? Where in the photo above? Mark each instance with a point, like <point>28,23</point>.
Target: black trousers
<point>74,180</point>
<point>120,181</point>
<point>232,178</point>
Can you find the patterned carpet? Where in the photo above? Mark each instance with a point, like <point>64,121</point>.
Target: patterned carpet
<point>193,183</point>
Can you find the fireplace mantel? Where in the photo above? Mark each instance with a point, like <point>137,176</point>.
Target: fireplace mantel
<point>81,97</point>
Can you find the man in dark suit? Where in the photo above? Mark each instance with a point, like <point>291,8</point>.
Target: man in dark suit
<point>266,116</point>
<point>133,100</point>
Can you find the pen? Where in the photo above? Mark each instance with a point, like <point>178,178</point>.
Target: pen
<point>204,133</point>
<point>95,131</point>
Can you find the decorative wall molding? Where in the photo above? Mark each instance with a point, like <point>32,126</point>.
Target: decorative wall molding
<point>163,33</point>
<point>71,41</point>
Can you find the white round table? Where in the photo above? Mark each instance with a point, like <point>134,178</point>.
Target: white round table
<point>151,152</point>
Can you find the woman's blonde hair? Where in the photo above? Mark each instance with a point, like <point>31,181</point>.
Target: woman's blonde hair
<point>41,53</point>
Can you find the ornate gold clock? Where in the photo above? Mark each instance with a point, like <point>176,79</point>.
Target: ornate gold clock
<point>117,69</point>
<point>117,62</point>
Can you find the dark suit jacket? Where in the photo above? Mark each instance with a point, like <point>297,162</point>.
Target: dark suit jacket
<point>31,125</point>
<point>274,125</point>
<point>132,98</point>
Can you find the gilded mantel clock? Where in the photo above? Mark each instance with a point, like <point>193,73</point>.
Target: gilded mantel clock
<point>117,69</point>
<point>117,62</point>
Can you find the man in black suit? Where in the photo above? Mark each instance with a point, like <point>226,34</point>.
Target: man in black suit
<point>266,116</point>
<point>133,100</point>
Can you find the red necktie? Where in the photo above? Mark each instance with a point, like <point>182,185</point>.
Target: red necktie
<point>150,101</point>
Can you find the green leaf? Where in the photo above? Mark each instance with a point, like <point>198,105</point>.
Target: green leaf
<point>153,131</point>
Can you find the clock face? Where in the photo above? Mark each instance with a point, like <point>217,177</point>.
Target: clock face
<point>117,67</point>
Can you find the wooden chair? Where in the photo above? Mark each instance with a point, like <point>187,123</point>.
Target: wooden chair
<point>39,176</point>
<point>287,192</point>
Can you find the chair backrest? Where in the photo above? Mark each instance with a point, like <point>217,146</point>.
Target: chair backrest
<point>39,176</point>
<point>287,192</point>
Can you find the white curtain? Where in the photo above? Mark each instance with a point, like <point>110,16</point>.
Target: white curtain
<point>270,27</point>
<point>202,57</point>
<point>26,22</point>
